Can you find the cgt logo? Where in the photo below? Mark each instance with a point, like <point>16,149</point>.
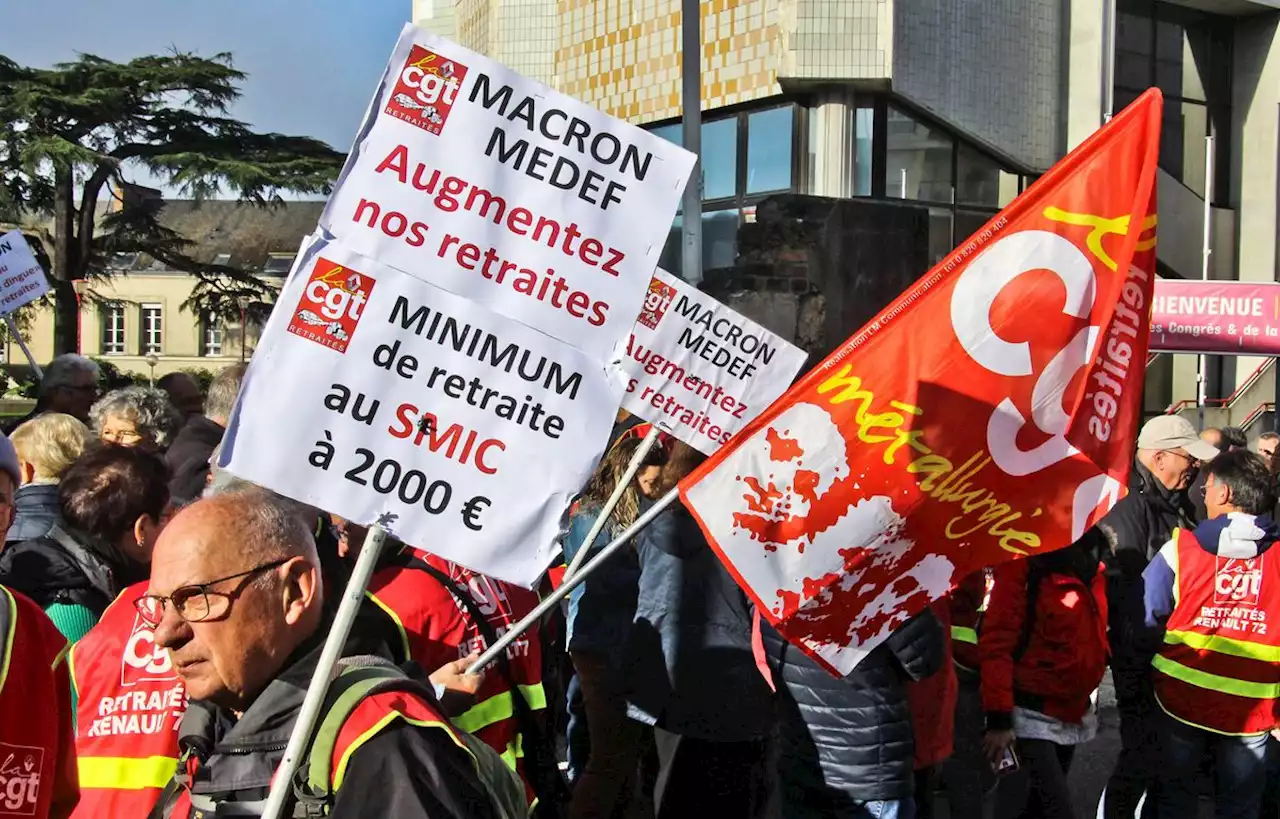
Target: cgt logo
<point>20,767</point>
<point>656,302</point>
<point>144,661</point>
<point>331,305</point>
<point>1238,582</point>
<point>426,90</point>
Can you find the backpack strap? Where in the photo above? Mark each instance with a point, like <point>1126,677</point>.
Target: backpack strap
<point>548,784</point>
<point>313,785</point>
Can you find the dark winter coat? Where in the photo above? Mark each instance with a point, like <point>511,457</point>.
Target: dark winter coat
<point>36,510</point>
<point>1128,537</point>
<point>688,664</point>
<point>842,741</point>
<point>61,568</point>
<point>188,457</point>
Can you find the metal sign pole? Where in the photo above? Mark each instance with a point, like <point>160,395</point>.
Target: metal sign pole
<point>352,598</point>
<point>552,600</point>
<point>607,510</point>
<point>13,333</point>
<point>691,119</point>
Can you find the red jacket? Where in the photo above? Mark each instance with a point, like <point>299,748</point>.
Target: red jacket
<point>933,704</point>
<point>436,629</point>
<point>1063,651</point>
<point>37,743</point>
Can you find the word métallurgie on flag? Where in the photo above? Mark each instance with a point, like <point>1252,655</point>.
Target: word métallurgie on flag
<point>987,415</point>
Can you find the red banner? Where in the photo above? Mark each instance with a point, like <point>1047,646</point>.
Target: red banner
<point>1225,318</point>
<point>989,414</point>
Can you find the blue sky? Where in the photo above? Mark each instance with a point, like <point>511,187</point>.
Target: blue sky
<point>312,64</point>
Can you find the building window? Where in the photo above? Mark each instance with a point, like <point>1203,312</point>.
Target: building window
<point>112,329</point>
<point>211,336</point>
<point>152,329</point>
<point>864,119</point>
<point>746,157</point>
<point>1186,54</point>
<point>917,159</point>
<point>769,144</point>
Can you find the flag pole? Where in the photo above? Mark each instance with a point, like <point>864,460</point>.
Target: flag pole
<point>602,518</point>
<point>552,600</point>
<point>352,598</point>
<point>691,122</point>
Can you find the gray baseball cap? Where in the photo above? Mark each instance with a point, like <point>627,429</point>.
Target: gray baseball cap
<point>1169,432</point>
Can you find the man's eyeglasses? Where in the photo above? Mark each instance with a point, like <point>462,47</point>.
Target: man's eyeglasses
<point>199,602</point>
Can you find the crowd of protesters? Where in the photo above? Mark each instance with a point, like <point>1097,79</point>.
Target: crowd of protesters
<point>162,620</point>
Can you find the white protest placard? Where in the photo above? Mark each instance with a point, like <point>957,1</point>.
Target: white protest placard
<point>22,279</point>
<point>500,189</point>
<point>699,369</point>
<point>384,399</point>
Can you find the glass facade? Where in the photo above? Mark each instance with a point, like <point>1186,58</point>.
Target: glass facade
<point>895,154</point>
<point>1187,55</point>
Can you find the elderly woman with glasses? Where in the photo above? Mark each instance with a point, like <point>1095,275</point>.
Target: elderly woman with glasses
<point>136,416</point>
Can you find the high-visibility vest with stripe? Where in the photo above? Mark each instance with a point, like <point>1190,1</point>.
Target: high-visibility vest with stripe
<point>359,705</point>
<point>37,762</point>
<point>130,702</point>
<point>436,629</point>
<point>1219,667</point>
<point>968,602</point>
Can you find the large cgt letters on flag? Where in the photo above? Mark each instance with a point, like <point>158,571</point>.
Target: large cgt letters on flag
<point>988,414</point>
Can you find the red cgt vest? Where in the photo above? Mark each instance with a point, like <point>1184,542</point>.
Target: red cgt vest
<point>37,757</point>
<point>130,704</point>
<point>1219,668</point>
<point>436,629</point>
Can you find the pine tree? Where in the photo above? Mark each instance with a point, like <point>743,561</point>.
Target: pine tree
<point>70,132</point>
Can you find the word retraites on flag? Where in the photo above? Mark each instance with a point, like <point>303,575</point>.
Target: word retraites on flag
<point>699,369</point>
<point>989,414</point>
<point>421,411</point>
<point>504,191</point>
<point>22,280</point>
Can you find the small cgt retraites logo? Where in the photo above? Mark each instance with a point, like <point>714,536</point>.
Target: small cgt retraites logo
<point>426,89</point>
<point>656,302</point>
<point>331,305</point>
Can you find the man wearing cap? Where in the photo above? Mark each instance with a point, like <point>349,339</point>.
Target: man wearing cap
<point>1169,454</point>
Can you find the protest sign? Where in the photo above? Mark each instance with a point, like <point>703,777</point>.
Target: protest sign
<point>413,408</point>
<point>22,280</point>
<point>699,369</point>
<point>499,189</point>
<point>989,414</point>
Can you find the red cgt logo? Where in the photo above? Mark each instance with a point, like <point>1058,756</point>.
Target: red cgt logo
<point>331,305</point>
<point>656,302</point>
<point>1238,582</point>
<point>143,660</point>
<point>426,89</point>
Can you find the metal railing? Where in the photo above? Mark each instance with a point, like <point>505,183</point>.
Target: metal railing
<point>1187,403</point>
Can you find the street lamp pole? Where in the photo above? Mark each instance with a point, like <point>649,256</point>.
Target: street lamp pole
<point>244,325</point>
<point>152,360</point>
<point>80,286</point>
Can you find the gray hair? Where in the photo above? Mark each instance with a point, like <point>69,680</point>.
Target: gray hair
<point>223,391</point>
<point>148,408</point>
<point>62,371</point>
<point>224,483</point>
<point>1269,436</point>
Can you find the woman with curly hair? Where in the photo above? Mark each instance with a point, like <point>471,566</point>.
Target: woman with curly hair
<point>136,416</point>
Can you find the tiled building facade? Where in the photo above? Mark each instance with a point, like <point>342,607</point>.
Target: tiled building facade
<point>950,106</point>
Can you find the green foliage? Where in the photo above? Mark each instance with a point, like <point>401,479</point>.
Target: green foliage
<point>111,377</point>
<point>68,132</point>
<point>201,376</point>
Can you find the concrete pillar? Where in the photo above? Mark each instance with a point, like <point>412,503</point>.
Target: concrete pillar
<point>1085,47</point>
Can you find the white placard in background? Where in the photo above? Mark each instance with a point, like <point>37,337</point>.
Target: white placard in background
<point>699,369</point>
<point>22,280</point>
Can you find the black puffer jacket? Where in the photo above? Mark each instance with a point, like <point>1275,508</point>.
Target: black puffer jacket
<point>849,740</point>
<point>1128,537</point>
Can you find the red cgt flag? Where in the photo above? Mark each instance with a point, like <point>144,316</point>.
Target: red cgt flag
<point>989,414</point>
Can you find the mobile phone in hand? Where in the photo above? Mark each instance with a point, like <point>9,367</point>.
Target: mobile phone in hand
<point>1007,763</point>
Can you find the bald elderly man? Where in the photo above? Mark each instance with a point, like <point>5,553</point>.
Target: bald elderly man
<point>237,599</point>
